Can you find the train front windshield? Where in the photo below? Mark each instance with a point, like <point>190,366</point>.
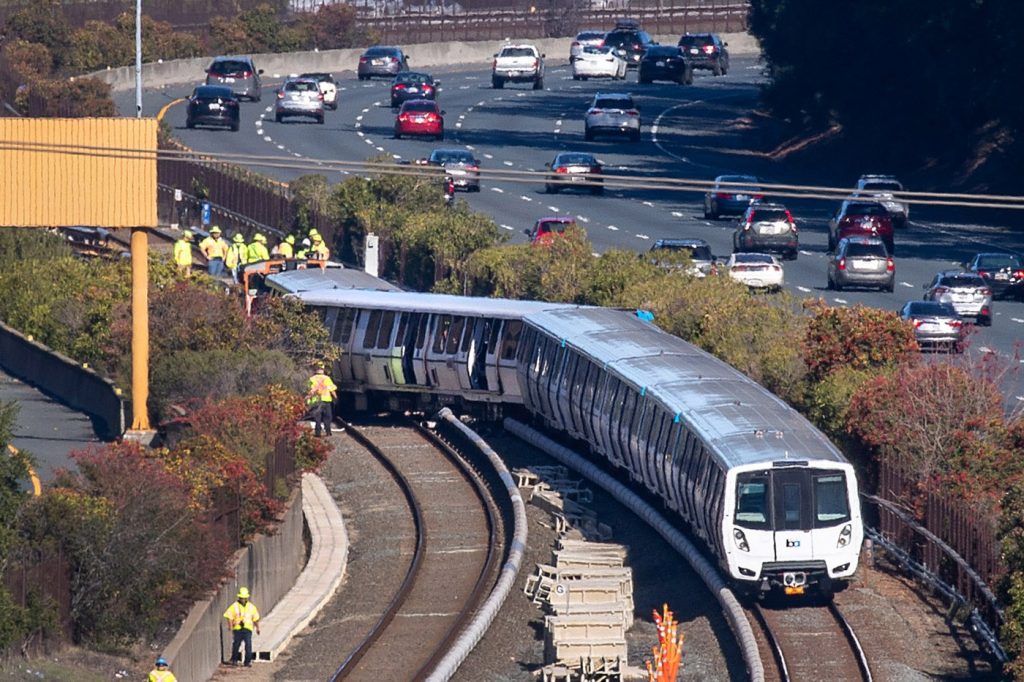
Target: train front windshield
<point>791,499</point>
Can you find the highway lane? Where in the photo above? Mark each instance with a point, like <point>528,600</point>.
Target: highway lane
<point>689,132</point>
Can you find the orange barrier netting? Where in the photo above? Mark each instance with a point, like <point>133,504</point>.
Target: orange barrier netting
<point>668,655</point>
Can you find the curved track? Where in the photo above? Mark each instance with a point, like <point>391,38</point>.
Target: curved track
<point>696,131</point>
<point>809,643</point>
<point>448,567</point>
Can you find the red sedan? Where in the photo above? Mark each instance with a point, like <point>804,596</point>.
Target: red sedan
<point>420,117</point>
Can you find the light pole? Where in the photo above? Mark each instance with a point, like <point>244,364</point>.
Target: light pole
<point>138,58</point>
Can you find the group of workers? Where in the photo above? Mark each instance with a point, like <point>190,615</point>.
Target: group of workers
<point>223,255</point>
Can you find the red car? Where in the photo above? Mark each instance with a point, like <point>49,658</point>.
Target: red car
<point>547,230</point>
<point>420,117</point>
<point>859,218</point>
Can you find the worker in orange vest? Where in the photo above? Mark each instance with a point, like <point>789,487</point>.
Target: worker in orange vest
<point>321,394</point>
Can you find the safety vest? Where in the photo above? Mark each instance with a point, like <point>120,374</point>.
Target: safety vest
<point>238,254</point>
<point>214,247</point>
<point>240,617</point>
<point>320,387</point>
<point>162,676</point>
<point>319,251</point>
<point>285,250</point>
<point>257,251</point>
<point>182,252</point>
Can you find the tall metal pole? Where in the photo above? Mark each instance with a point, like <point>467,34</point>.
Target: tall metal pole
<point>140,278</point>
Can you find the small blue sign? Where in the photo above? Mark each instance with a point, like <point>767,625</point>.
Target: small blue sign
<point>206,213</point>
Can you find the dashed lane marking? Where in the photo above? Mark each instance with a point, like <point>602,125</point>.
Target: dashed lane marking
<point>380,149</point>
<point>805,290</point>
<point>554,209</point>
<point>267,138</point>
<point>359,117</point>
<point>366,111</point>
<point>488,156</point>
<point>462,117</point>
<point>642,236</point>
<point>613,228</point>
<point>463,87</point>
<point>582,219</point>
<point>1017,320</point>
<point>508,163</point>
<point>360,133</point>
<point>498,190</point>
<point>907,285</point>
<point>458,124</point>
<point>842,300</point>
<point>507,227</point>
<point>677,214</point>
<point>525,198</point>
<point>648,203</point>
<point>470,147</point>
<point>280,146</point>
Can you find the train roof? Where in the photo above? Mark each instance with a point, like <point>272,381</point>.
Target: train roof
<point>409,301</point>
<point>313,279</point>
<point>746,423</point>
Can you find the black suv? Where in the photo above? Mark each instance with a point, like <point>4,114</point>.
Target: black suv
<point>629,42</point>
<point>706,51</point>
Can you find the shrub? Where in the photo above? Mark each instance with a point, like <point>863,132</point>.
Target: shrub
<point>42,22</point>
<point>27,61</point>
<point>828,400</point>
<point>858,337</point>
<point>77,98</point>
<point>99,44</point>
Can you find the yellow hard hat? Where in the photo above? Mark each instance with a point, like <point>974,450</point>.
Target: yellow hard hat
<point>238,238</point>
<point>243,592</point>
<point>187,234</point>
<point>260,238</point>
<point>290,239</point>
<point>314,232</point>
<point>214,230</point>
<point>317,238</point>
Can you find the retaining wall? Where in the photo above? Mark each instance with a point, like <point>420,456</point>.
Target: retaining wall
<point>454,55</point>
<point>65,380</point>
<point>269,567</point>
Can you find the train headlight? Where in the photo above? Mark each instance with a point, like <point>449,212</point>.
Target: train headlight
<point>740,539</point>
<point>844,536</point>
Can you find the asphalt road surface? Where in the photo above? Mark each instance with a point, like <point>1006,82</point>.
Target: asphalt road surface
<point>689,132</point>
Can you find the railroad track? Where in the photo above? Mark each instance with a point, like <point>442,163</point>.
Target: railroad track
<point>445,557</point>
<point>808,643</point>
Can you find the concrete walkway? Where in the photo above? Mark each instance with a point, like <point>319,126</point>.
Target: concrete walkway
<point>316,584</point>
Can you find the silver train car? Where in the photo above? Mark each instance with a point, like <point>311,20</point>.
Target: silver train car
<point>769,496</point>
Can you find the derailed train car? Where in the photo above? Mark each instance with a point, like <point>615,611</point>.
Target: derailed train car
<point>769,496</point>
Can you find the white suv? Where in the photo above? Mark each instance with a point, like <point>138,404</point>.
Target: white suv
<point>882,188</point>
<point>612,113</point>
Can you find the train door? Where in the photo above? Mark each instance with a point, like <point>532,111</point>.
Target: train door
<point>367,327</point>
<point>341,335</point>
<point>791,506</point>
<point>396,363</point>
<point>491,357</point>
<point>378,369</point>
<point>507,363</point>
<point>415,362</point>
<point>442,353</point>
<point>472,354</point>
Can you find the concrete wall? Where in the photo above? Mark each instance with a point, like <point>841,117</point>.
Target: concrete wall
<point>454,56</point>
<point>269,567</point>
<point>59,376</point>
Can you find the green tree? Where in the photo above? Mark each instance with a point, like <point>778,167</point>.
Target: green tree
<point>42,22</point>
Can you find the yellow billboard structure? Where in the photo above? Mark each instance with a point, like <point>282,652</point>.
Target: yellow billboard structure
<point>64,172</point>
<point>94,172</point>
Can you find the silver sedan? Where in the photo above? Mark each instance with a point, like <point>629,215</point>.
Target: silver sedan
<point>300,97</point>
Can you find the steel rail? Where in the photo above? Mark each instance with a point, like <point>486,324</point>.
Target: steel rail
<point>400,596</point>
<point>773,642</point>
<point>851,638</point>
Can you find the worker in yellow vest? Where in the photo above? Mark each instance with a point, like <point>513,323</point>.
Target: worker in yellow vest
<point>238,255</point>
<point>318,250</point>
<point>161,673</point>
<point>242,618</point>
<point>183,253</point>
<point>257,250</point>
<point>215,248</point>
<point>286,249</point>
<point>321,394</point>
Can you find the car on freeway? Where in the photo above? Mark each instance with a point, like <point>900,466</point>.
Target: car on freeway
<point>213,105</point>
<point>382,61</point>
<point>574,169</point>
<point>522,63</point>
<point>965,291</point>
<point>731,195</point>
<point>756,270</point>
<point>665,63</point>
<point>1002,272</point>
<point>328,87</point>
<point>767,227</point>
<point>693,256</point>
<point>883,189</point>
<point>460,165</point>
<point>546,230</point>
<point>628,41</point>
<point>238,73</point>
<point>420,117</point>
<point>585,39</point>
<point>412,85</point>
<point>612,113</point>
<point>706,51</point>
<point>598,62</point>
<point>936,325</point>
<point>861,262</point>
<point>299,97</point>
<point>858,217</point>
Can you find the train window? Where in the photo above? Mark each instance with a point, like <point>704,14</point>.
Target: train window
<point>510,341</point>
<point>403,322</point>
<point>421,331</point>
<point>626,424</point>
<point>790,505</point>
<point>372,326</point>
<point>444,324</point>
<point>752,500</point>
<point>467,338</point>
<point>387,325</point>
<point>455,335</point>
<point>343,328</point>
<point>496,327</point>
<point>792,499</point>
<point>830,504</point>
<point>321,312</point>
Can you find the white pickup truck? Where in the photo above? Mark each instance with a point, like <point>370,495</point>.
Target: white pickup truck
<point>518,64</point>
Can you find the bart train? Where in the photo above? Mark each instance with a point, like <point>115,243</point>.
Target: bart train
<point>768,495</point>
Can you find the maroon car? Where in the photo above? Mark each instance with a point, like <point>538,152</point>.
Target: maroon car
<point>859,218</point>
<point>420,117</point>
